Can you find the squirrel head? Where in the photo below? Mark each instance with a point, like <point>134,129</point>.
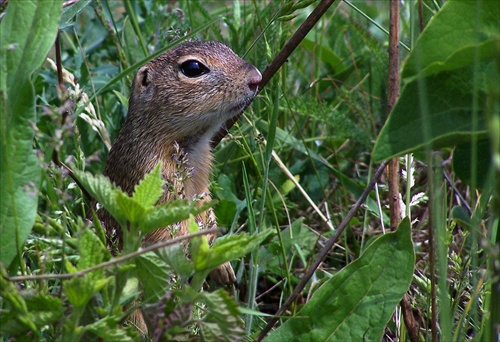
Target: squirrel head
<point>191,89</point>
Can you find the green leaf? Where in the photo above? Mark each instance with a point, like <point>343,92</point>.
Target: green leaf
<point>325,54</point>
<point>222,321</point>
<point>154,276</point>
<point>27,32</point>
<point>453,35</point>
<point>462,162</point>
<point>449,102</point>
<point>92,252</point>
<point>171,212</point>
<point>70,12</point>
<point>110,328</point>
<point>227,248</point>
<point>461,217</point>
<point>175,257</point>
<point>357,302</point>
<point>133,211</point>
<point>150,189</point>
<point>103,191</point>
<point>445,86</point>
<point>80,290</point>
<point>44,309</point>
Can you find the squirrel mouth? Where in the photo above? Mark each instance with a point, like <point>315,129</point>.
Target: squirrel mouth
<point>240,107</point>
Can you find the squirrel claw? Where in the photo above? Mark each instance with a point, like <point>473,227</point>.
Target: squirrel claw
<point>223,274</point>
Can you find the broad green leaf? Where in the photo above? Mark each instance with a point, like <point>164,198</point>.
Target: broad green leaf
<point>449,99</point>
<point>357,302</point>
<point>171,212</point>
<point>462,163</point>
<point>222,321</point>
<point>27,32</point>
<point>150,189</point>
<point>154,276</point>
<point>446,75</point>
<point>450,38</point>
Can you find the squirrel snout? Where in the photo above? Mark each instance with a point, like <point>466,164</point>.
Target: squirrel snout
<point>254,78</point>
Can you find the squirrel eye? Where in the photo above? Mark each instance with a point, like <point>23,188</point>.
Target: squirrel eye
<point>193,68</point>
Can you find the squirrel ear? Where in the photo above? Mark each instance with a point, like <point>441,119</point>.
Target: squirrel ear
<point>143,76</point>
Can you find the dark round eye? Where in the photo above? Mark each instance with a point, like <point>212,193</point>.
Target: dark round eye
<point>193,68</point>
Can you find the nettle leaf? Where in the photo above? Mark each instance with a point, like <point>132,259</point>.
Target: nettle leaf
<point>110,328</point>
<point>222,321</point>
<point>92,252</point>
<point>171,212</point>
<point>175,257</point>
<point>133,211</point>
<point>225,248</point>
<point>44,309</point>
<point>357,302</point>
<point>150,189</point>
<point>154,276</point>
<point>27,32</point>
<point>103,191</point>
<point>80,290</point>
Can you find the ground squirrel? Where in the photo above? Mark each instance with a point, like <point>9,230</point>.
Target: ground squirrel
<point>178,101</point>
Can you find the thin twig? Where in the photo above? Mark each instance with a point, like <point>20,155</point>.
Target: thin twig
<point>323,253</point>
<point>280,59</point>
<point>114,261</point>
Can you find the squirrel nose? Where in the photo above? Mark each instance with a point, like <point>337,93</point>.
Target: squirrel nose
<point>254,78</point>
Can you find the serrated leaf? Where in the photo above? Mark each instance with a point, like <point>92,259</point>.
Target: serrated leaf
<point>110,329</point>
<point>103,191</point>
<point>44,309</point>
<point>150,189</point>
<point>175,257</point>
<point>222,321</point>
<point>133,211</point>
<point>80,290</point>
<point>154,276</point>
<point>27,32</point>
<point>92,252</point>
<point>171,212</point>
<point>227,248</point>
<point>357,302</point>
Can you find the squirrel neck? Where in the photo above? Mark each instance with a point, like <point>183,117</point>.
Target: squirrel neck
<point>178,156</point>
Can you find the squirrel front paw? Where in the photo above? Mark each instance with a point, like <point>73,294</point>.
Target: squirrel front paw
<point>223,274</point>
